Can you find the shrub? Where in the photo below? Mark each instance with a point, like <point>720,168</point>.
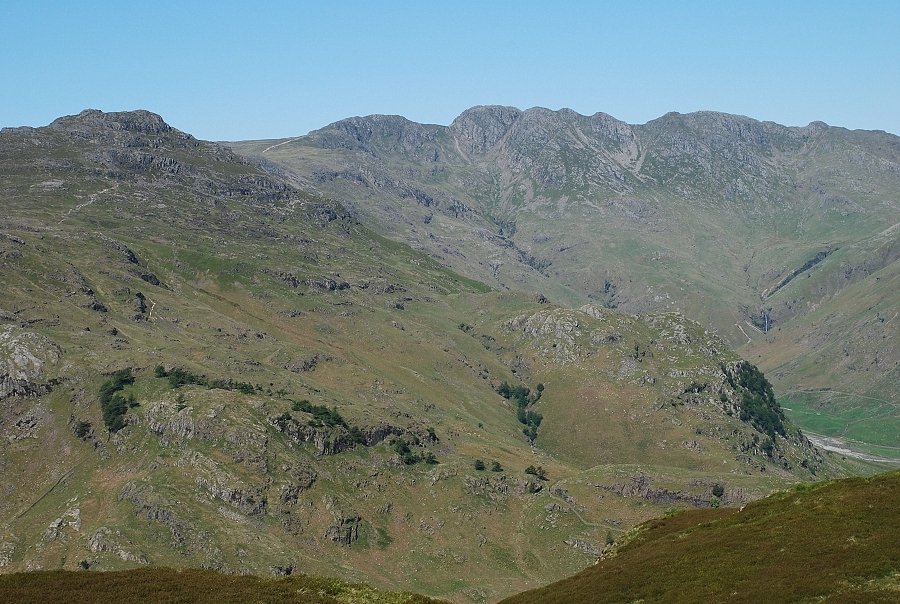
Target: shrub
<point>496,467</point>
<point>82,429</point>
<point>538,471</point>
<point>401,447</point>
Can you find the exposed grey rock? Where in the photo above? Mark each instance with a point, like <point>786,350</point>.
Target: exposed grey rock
<point>151,506</point>
<point>330,441</point>
<point>345,529</point>
<point>26,360</point>
<point>640,486</point>
<point>106,540</point>
<point>150,278</point>
<point>585,547</point>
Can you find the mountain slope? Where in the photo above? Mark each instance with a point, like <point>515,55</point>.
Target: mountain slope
<point>832,542</point>
<point>748,227</point>
<point>202,365</point>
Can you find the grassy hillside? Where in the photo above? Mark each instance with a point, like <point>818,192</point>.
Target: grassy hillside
<point>783,240</point>
<point>203,366</point>
<point>829,542</point>
<point>162,585</point>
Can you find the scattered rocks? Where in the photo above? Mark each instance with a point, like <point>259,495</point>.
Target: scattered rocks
<point>585,547</point>
<point>308,364</point>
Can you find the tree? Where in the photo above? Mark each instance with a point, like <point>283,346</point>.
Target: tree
<point>718,490</point>
<point>479,465</point>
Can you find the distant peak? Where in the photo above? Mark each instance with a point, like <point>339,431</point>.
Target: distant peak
<point>500,114</point>
<point>139,120</point>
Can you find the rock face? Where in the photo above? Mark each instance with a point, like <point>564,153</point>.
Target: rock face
<point>25,360</point>
<point>333,440</point>
<point>345,529</point>
<point>640,486</point>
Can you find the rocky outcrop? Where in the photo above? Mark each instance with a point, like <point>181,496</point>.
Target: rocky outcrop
<point>26,359</point>
<point>105,540</point>
<point>585,547</point>
<point>155,508</point>
<point>345,527</point>
<point>309,363</point>
<point>174,425</point>
<point>251,501</point>
<point>333,440</point>
<point>327,284</point>
<point>640,486</point>
<point>498,487</point>
<point>302,479</point>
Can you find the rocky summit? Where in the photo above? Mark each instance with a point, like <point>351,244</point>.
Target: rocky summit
<point>461,361</point>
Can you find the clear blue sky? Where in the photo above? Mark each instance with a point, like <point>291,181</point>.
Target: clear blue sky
<point>238,70</point>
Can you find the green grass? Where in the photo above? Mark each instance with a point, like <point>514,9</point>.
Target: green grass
<point>870,425</point>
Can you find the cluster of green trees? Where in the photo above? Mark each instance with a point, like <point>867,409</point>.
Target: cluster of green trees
<point>113,404</point>
<point>524,399</point>
<point>495,466</point>
<point>322,415</point>
<point>758,405</point>
<point>408,456</point>
<point>181,377</point>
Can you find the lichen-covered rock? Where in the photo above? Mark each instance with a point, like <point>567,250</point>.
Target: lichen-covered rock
<point>26,359</point>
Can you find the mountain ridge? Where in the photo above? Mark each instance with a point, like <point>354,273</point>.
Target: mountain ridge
<point>226,356</point>
<point>706,213</point>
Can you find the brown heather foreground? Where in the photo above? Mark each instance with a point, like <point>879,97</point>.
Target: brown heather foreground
<point>170,586</point>
<point>836,541</point>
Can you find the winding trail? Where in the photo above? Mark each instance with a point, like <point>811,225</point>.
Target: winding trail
<point>281,143</point>
<point>91,199</point>
<point>871,398</point>
<point>571,507</point>
<point>749,340</point>
<point>836,445</point>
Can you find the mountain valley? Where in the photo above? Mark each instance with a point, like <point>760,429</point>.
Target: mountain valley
<point>459,361</point>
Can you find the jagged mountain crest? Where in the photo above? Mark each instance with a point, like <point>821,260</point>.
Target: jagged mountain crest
<point>702,212</point>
